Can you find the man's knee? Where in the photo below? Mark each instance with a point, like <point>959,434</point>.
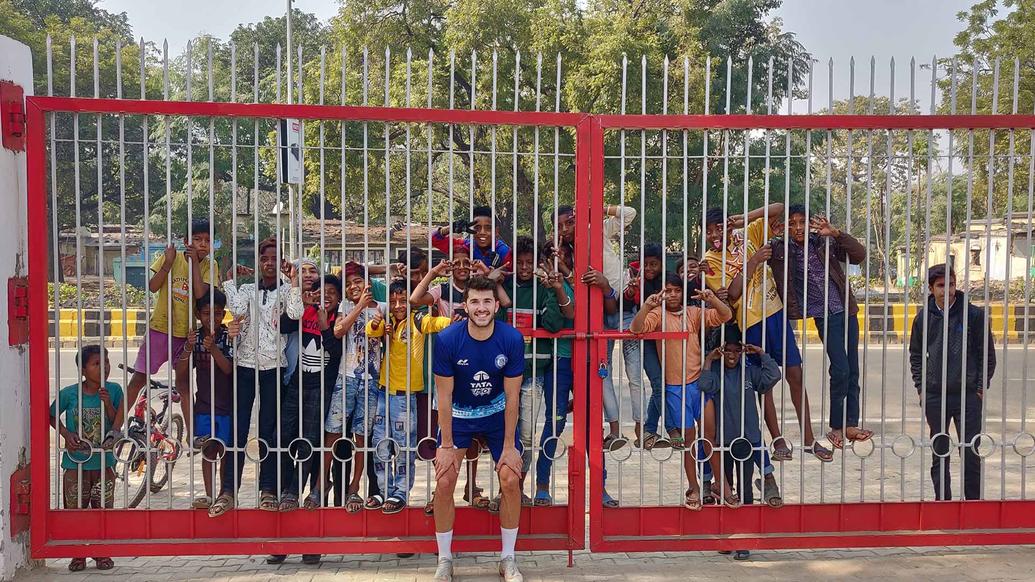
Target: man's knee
<point>446,484</point>
<point>509,481</point>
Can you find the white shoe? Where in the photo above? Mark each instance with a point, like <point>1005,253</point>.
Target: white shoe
<point>444,572</point>
<point>509,571</point>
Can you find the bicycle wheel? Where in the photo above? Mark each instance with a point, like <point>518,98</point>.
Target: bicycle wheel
<point>169,452</point>
<point>134,473</point>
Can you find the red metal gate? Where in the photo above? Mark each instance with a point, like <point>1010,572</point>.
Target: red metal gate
<point>176,529</point>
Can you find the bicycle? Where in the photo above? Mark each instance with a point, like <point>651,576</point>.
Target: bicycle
<point>153,440</point>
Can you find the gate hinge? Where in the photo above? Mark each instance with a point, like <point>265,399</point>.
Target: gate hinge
<point>12,116</point>
<point>17,311</point>
<point>21,500</point>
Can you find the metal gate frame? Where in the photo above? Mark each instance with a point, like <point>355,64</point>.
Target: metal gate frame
<point>804,526</point>
<point>132,532</point>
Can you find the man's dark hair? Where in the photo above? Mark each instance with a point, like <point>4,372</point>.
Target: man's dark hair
<point>797,209</point>
<point>213,296</point>
<point>523,245</point>
<point>565,210</point>
<point>413,259</point>
<point>480,283</point>
<point>653,250</point>
<point>199,226</point>
<point>333,280</point>
<point>675,280</point>
<point>270,242</point>
<point>479,211</point>
<point>714,216</point>
<point>733,335</point>
<point>88,352</point>
<point>938,272</point>
<point>398,287</point>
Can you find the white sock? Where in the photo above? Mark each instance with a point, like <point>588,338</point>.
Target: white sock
<point>509,539</point>
<point>445,544</point>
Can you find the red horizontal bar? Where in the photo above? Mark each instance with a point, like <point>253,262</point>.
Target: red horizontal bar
<point>324,112</point>
<point>811,542</point>
<point>129,532</point>
<point>916,122</point>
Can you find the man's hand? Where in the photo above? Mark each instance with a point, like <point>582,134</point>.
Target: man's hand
<point>285,267</point>
<point>310,297</point>
<point>981,393</point>
<point>446,461</point>
<point>753,350</point>
<point>209,342</point>
<point>763,254</point>
<point>233,328</point>
<point>397,271</point>
<point>190,342</point>
<point>377,319</point>
<point>821,226</point>
<point>240,270</point>
<point>442,269</point>
<point>735,221</point>
<point>105,397</point>
<point>705,295</point>
<point>366,299</point>
<point>461,226</point>
<point>712,356</point>
<point>511,459</point>
<point>74,443</point>
<point>595,278</point>
<point>170,256</point>
<point>192,253</point>
<point>654,300</point>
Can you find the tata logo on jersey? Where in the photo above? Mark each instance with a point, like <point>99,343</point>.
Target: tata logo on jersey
<point>481,385</point>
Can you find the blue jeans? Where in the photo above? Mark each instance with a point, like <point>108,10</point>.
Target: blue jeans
<point>611,410</point>
<point>636,362</point>
<point>396,418</point>
<point>531,403</point>
<point>844,367</point>
<point>291,353</point>
<point>556,418</point>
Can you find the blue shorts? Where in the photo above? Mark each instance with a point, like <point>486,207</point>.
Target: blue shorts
<point>491,429</point>
<point>776,330</point>
<point>203,426</point>
<point>683,407</point>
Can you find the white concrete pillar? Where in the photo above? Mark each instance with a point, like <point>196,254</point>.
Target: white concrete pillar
<point>15,66</point>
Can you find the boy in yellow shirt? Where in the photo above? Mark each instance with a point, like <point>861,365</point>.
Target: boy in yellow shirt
<point>175,277</point>
<point>402,377</point>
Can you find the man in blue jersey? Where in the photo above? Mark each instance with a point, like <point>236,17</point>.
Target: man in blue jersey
<point>479,364</point>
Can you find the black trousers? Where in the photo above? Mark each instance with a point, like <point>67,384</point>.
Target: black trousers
<point>965,415</point>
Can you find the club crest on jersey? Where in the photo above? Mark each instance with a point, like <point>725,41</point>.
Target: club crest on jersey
<point>501,361</point>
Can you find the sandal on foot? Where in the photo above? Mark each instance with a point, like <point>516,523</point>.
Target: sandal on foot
<point>289,502</point>
<point>393,505</point>
<point>201,503</point>
<point>859,434</point>
<point>820,452</point>
<point>311,559</point>
<point>610,502</point>
<point>650,441</point>
<point>781,454</point>
<point>313,500</point>
<point>494,505</point>
<point>836,438</point>
<point>677,441</point>
<point>474,496</point>
<point>77,565</point>
<point>711,496</point>
<point>613,442</point>
<point>526,501</point>
<point>692,501</point>
<point>429,507</point>
<point>374,503</point>
<point>732,500</point>
<point>275,559</point>
<point>222,504</point>
<point>770,493</point>
<point>542,498</point>
<point>354,504</point>
<point>104,563</point>
<point>268,501</point>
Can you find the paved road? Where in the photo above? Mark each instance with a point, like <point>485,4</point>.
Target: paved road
<point>912,564</point>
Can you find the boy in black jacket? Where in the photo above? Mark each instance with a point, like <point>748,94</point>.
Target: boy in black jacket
<point>954,393</point>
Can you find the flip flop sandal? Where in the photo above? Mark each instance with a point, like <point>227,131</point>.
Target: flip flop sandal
<point>710,494</point>
<point>781,454</point>
<point>543,499</point>
<point>275,559</point>
<point>836,439</point>
<point>494,505</point>
<point>526,501</point>
<point>392,506</point>
<point>104,563</point>
<point>313,500</point>
<point>478,501</point>
<point>77,565</point>
<point>610,502</point>
<point>677,442</point>
<point>429,507</point>
<point>288,502</point>
<point>861,434</point>
<point>820,452</point>
<point>732,501</point>
<point>222,504</point>
<point>354,504</point>
<point>650,441</point>
<point>692,501</point>
<point>615,442</point>
<point>201,503</point>
<point>770,493</point>
<point>374,503</point>
<point>268,501</point>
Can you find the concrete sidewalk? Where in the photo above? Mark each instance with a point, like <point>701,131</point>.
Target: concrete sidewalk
<point>956,563</point>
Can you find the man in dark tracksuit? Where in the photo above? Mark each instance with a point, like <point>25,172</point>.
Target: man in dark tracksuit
<point>962,393</point>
